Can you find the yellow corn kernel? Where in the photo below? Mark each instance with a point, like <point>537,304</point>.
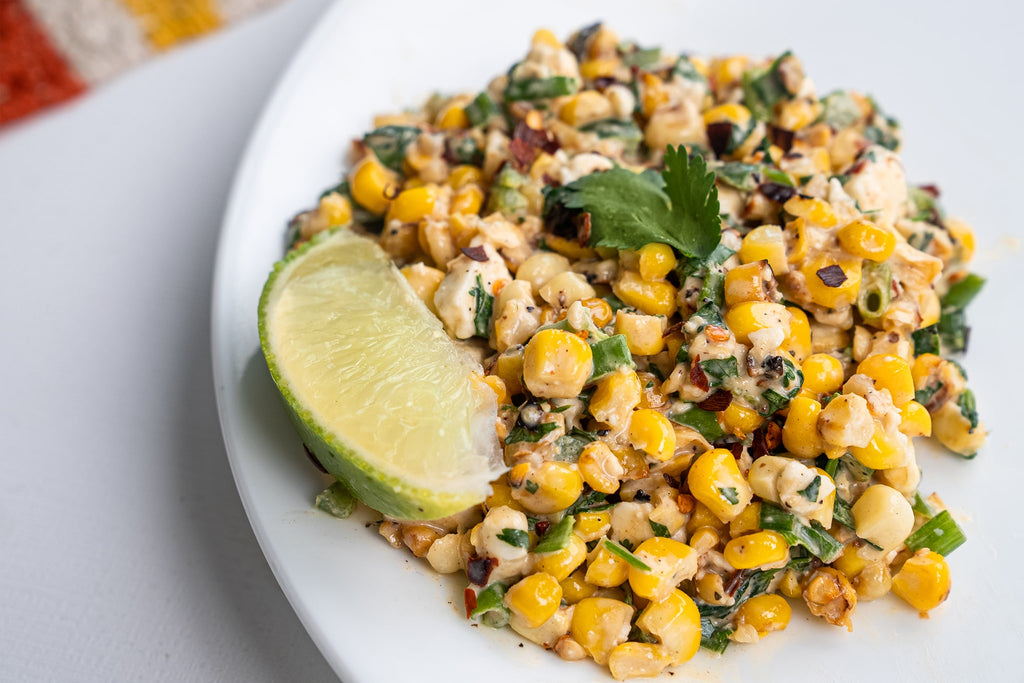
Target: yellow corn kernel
<point>670,562</point>
<point>585,107</point>
<point>738,418</point>
<point>642,332</point>
<point>576,588</point>
<point>751,316</point>
<point>874,582</point>
<point>410,206</point>
<point>954,431</point>
<point>924,367</point>
<point>766,243</point>
<point>501,494</point>
<point>728,113</point>
<point>600,67</point>
<point>748,283</point>
<point>600,468</point>
<point>675,622</point>
<point>591,526</point>
<point>467,200</point>
<point>702,516</point>
<point>453,118</point>
<point>655,94</point>
<point>881,453</point>
<point>800,432</point>
<point>463,175</point>
<point>550,487</point>
<point>850,562</point>
<point>652,433</point>
<point>599,624</point>
<point>424,281</point>
<point>756,549</point>
<point>497,385</point>
<point>711,589</point>
<point>715,480</point>
<point>370,183</point>
<point>823,268</point>
<point>823,374</point>
<point>916,420</point>
<point>615,397</point>
<point>632,660</point>
<point>655,261</point>
<point>790,584</point>
<point>561,563</point>
<point>864,239</point>
<point>964,237</point>
<point>651,297</point>
<point>801,243</point>
<point>569,248</point>
<point>798,342</point>
<point>729,70</point>
<point>534,599</point>
<point>510,368</point>
<point>556,364</point>
<point>892,373</point>
<point>600,312</point>
<point>924,580</point>
<point>544,36</point>
<point>797,114</point>
<point>765,613</point>
<point>335,208</point>
<point>704,539</point>
<point>746,522</point>
<point>930,308</point>
<point>814,211</point>
<point>605,569</point>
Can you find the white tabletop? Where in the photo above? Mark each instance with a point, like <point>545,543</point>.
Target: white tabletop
<point>124,551</point>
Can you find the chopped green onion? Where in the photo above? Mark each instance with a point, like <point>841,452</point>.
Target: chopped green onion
<point>842,513</point>
<point>389,143</point>
<point>481,109</point>
<point>714,638</point>
<point>961,293</point>
<point>540,88</point>
<point>336,501</point>
<point>814,538</point>
<point>922,507</point>
<point>588,502</point>
<point>609,355</point>
<point>557,536</point>
<point>940,534</point>
<point>926,340</point>
<point>875,290</point>
<point>631,559</point>
<point>490,607</point>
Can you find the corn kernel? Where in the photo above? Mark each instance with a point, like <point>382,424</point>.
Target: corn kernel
<point>600,468</point>
<point>729,70</point>
<point>891,373</point>
<point>424,281</point>
<point>576,588</point>
<point>924,580</point>
<point>790,584</point>
<point>410,206</point>
<point>600,312</point>
<point>510,368</point>
<point>702,516</point>
<point>467,200</point>
<point>881,453</point>
<point>599,624</point>
<point>370,182</point>
<point>651,297</point>
<point>497,385</point>
<point>766,243</point>
<point>823,374</point>
<point>765,613</point>
<point>866,240</point>
<point>556,364</point>
<point>800,432</point>
<point>632,660</point>
<point>561,563</point>
<point>964,237</point>
<point>652,432</point>
<point>550,487</point>
<point>752,316</point>
<point>728,113</point>
<point>591,526</point>
<point>756,549</point>
<point>535,599</point>
<point>655,94</point>
<point>746,522</point>
<point>585,107</point>
<point>642,332</point>
<point>748,282</point>
<point>675,622</point>
<point>464,175</point>
<point>842,272</point>
<point>615,397</point>
<point>544,36</point>
<point>814,211</point>
<point>655,261</point>
<point>740,420</point>
<point>335,208</point>
<point>453,118</point>
<point>715,480</point>
<point>501,494</point>
<point>606,569</point>
<point>598,68</point>
<point>916,420</point>
<point>955,432</point>
<point>670,562</point>
<point>798,342</point>
<point>797,114</point>
<point>850,562</point>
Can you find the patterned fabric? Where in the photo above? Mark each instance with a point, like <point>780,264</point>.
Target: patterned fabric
<point>53,50</point>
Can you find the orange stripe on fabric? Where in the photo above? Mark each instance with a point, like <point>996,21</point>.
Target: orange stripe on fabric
<point>167,22</point>
<point>32,73</point>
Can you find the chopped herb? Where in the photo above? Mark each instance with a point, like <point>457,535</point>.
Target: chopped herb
<point>609,355</point>
<point>961,293</point>
<point>484,305</point>
<point>968,407</point>
<point>924,396</point>
<point>774,401</point>
<point>882,135</point>
<point>953,331</point>
<point>637,635</point>
<point>560,409</point>
<point>557,536</point>
<point>703,421</point>
<point>839,110</point>
<point>926,340</point>
<point>719,369</point>
<point>762,88</point>
<point>842,513</point>
<point>336,500</point>
<point>685,69</point>
<point>922,507</point>
<point>571,445</point>
<point>490,607</point>
<point>642,58</point>
<point>831,467</point>
<point>811,492</point>
<point>621,552</point>
<point>531,486</point>
<point>659,529</point>
<point>730,494</point>
<point>710,314</point>
<point>713,289</point>
<point>481,109</point>
<point>515,537</point>
<point>714,638</point>
<point>614,302</point>
<point>521,432</point>
<point>540,88</point>
<point>591,501</point>
<point>389,144</point>
<point>626,131</point>
<point>940,534</point>
<point>814,538</point>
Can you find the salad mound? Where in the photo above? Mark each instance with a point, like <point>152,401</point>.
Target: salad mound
<point>715,316</point>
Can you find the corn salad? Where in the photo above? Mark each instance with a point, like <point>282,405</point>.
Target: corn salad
<point>715,316</point>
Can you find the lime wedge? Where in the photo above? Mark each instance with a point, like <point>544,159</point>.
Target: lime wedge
<point>376,389</point>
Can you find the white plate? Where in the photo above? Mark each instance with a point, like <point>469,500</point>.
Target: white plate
<point>380,615</point>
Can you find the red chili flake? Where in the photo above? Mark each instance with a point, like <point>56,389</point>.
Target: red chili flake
<point>479,569</point>
<point>736,449</point>
<point>522,154</point>
<point>539,138</point>
<point>831,276</point>
<point>672,329</point>
<point>719,135</point>
<point>477,253</point>
<point>766,439</point>
<point>716,333</point>
<point>583,227</point>
<point>777,192</point>
<point>717,401</point>
<point>697,376</point>
<point>734,582</point>
<point>470,597</point>
<point>933,190</point>
<point>603,82</point>
<point>857,167</point>
<point>781,137</point>
<point>542,527</point>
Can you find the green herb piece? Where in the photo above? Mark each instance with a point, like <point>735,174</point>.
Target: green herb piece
<point>627,211</point>
<point>590,501</point>
<point>719,369</point>
<point>730,494</point>
<point>952,327</point>
<point>927,205</point>
<point>923,396</point>
<point>940,534</point>
<point>609,355</point>
<point>811,492</point>
<point>522,433</point>
<point>774,402</point>
<point>814,538</point>
<point>531,486</point>
<point>631,559</point>
<point>637,635</point>
<point>831,467</point>
<point>465,150</point>
<point>490,607</point>
<point>922,507</point>
<point>614,302</point>
<point>704,421</point>
<point>839,110</point>
<point>506,195</point>
<point>738,175</point>
<point>875,292</point>
<point>684,68</point>
<point>642,58</point>
<point>926,340</point>
<point>842,513</point>
<point>540,88</point>
<point>626,131</point>
<point>484,304</point>
<point>571,445</point>
<point>336,500</point>
<point>961,293</point>
<point>389,144</point>
<point>515,537</point>
<point>481,109</point>
<point>858,471</point>
<point>557,536</point>
<point>762,88</point>
<point>659,529</point>
<point>882,135</point>
<point>968,407</point>
<point>714,638</point>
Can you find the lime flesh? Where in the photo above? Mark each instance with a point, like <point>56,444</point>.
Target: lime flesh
<point>376,389</point>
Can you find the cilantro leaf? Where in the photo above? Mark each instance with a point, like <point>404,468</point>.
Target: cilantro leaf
<point>484,307</point>
<point>515,537</point>
<point>691,187</point>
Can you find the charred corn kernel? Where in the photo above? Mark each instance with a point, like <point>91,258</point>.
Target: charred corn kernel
<point>550,487</point>
<point>599,624</point>
<point>561,563</point>
<point>728,113</point>
<point>766,243</point>
<point>675,622</point>
<point>823,374</point>
<point>615,397</point>
<point>591,526</point>
<point>711,589</point>
<point>509,367</point>
<point>585,107</point>
<point>544,36</point>
<point>600,67</point>
<point>749,282</point>
<point>633,660</point>
<point>924,580</point>
<point>850,562</point>
<point>954,431</point>
<point>424,281</point>
<point>766,613</point>
<point>453,118</point>
<point>715,480</point>
<point>497,385</point>
<point>655,261</point>
<point>738,418</point>
<point>600,468</point>
<point>814,211</point>
<point>517,475</point>
<point>915,420</point>
<point>335,208</point>
<point>642,332</point>
<point>652,433</point>
<point>702,516</point>
<point>410,206</point>
<point>600,312</point>
<point>576,588</point>
<point>670,562</point>
<point>729,70</point>
<point>883,516</point>
<point>866,240</point>
<point>832,281</point>
<point>963,234</point>
<point>752,316</point>
<point>464,175</point>
<point>370,183</point>
<point>605,569</point>
<point>798,342</point>
<point>652,297</point>
<point>797,114</point>
<point>556,364</point>
<point>800,432</point>
<point>789,585</point>
<point>796,229</point>
<point>746,522</point>
<point>881,453</point>
<point>756,549</point>
<point>534,599</point>
<point>467,200</point>
<point>892,373</point>
<point>633,461</point>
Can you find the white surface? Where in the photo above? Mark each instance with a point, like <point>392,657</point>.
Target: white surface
<point>353,592</point>
<point>124,551</point>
